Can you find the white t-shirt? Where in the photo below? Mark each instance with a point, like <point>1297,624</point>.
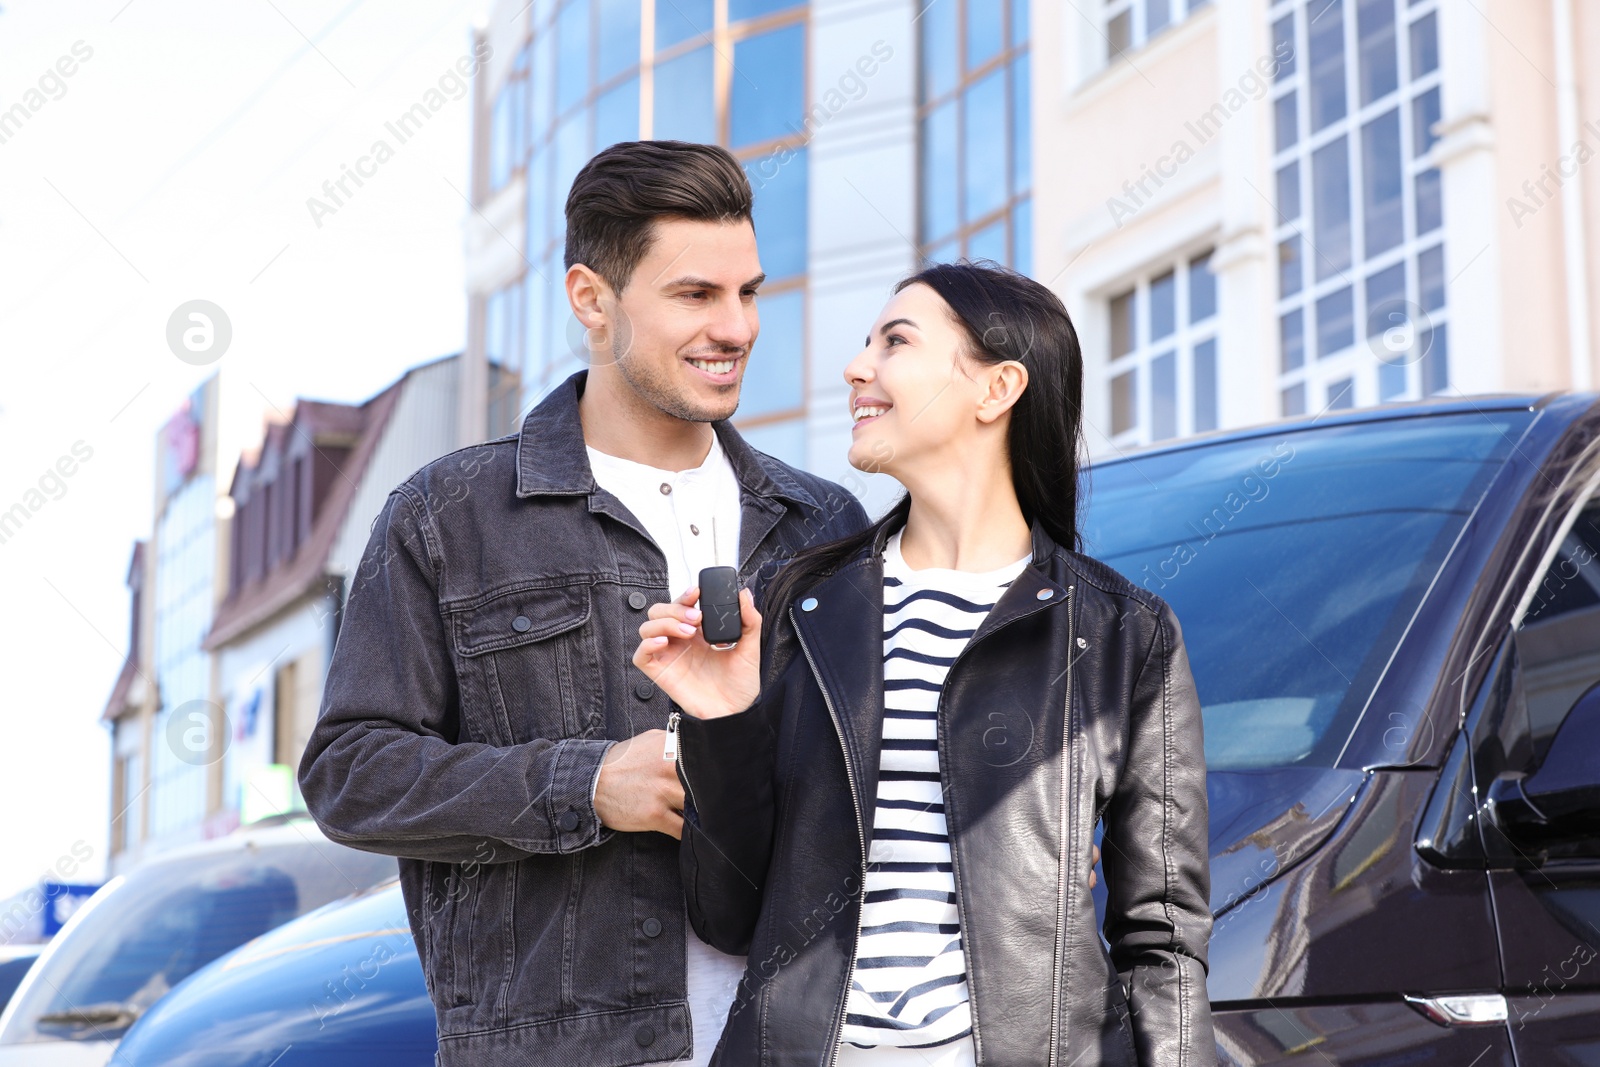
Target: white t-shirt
<point>679,520</point>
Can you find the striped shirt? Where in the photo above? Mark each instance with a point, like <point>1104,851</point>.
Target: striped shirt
<point>909,986</point>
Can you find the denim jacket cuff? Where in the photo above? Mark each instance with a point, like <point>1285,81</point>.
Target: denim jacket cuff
<point>574,778</point>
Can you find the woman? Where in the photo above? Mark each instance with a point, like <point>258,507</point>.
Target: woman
<point>893,779</point>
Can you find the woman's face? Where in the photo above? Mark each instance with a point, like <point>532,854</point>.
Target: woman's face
<point>914,396</point>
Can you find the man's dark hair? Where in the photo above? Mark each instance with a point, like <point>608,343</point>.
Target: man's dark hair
<point>620,193</point>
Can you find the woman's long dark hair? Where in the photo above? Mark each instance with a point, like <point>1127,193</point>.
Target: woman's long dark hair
<point>1004,315</point>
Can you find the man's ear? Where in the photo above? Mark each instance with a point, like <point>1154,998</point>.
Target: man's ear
<point>589,294</point>
<point>1005,383</point>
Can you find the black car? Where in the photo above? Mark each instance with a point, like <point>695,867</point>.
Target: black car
<point>1393,619</point>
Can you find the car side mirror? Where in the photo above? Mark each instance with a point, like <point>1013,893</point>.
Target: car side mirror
<point>1567,784</point>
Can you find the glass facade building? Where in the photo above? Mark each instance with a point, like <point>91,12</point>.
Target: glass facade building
<point>594,72</point>
<point>973,117</point>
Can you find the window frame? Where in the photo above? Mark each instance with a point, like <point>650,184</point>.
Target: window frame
<point>540,370</point>
<point>1013,58</point>
<point>1353,374</point>
<point>1183,342</point>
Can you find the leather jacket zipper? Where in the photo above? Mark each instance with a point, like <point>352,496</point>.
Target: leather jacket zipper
<point>861,834</point>
<point>1061,868</point>
<point>673,752</point>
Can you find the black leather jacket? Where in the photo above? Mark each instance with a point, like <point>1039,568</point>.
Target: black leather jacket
<point>1073,702</point>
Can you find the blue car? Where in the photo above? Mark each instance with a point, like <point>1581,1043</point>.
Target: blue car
<point>338,986</point>
<point>1393,620</point>
<point>14,963</point>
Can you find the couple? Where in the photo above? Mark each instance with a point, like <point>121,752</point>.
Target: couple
<point>893,778</point>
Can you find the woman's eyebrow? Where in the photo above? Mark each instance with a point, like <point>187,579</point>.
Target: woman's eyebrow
<point>891,324</point>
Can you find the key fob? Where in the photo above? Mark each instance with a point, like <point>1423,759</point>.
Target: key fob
<point>719,606</point>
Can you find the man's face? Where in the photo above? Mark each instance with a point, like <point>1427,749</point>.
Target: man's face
<point>684,325</point>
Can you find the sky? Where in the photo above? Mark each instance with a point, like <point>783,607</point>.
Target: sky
<point>175,163</point>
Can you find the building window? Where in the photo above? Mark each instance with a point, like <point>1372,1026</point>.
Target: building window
<point>1361,308</point>
<point>1129,24</point>
<point>973,132</point>
<point>508,125</point>
<point>186,553</point>
<point>1162,371</point>
<point>695,79</point>
<point>127,789</point>
<point>504,340</point>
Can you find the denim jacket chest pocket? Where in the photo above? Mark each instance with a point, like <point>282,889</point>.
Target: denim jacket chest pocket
<point>527,660</point>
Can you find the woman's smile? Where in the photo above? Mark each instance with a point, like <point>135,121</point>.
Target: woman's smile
<point>868,408</point>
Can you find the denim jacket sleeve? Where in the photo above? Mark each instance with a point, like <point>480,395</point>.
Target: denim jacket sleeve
<point>383,770</point>
<point>1156,862</point>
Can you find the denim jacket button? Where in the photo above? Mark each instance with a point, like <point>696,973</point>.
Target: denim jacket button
<point>637,600</point>
<point>644,690</point>
<point>645,1036</point>
<point>568,821</point>
<point>652,927</point>
<point>522,624</point>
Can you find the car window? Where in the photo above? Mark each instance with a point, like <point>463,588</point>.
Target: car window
<point>146,931</point>
<point>1558,638</point>
<point>1294,563</point>
<point>11,971</point>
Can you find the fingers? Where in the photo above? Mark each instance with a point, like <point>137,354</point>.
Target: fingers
<point>674,610</point>
<point>671,787</point>
<point>650,647</point>
<point>672,825</point>
<point>666,628</point>
<point>748,615</point>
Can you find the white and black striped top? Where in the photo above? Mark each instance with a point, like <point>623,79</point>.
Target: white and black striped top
<point>910,987</point>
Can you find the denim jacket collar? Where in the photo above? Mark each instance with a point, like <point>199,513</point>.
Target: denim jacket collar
<point>551,457</point>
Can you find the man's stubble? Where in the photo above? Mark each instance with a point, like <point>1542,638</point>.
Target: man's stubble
<point>651,384</point>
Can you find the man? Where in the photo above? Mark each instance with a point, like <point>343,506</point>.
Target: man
<point>482,718</point>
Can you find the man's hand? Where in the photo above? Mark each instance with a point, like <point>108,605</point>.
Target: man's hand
<point>638,790</point>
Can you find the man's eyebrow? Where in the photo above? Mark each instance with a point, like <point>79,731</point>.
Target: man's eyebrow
<point>691,282</point>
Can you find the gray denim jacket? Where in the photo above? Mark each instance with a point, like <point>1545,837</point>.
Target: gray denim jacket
<point>483,668</point>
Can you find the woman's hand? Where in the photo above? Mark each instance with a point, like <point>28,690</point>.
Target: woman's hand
<point>701,680</point>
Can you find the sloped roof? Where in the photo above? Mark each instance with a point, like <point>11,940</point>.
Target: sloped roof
<point>357,426</point>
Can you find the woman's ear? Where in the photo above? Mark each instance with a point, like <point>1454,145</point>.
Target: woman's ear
<point>1005,383</point>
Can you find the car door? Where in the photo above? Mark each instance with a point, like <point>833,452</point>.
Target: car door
<point>1545,874</point>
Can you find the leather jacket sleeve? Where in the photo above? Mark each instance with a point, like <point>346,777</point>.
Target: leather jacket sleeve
<point>1155,858</point>
<point>383,771</point>
<point>726,765</point>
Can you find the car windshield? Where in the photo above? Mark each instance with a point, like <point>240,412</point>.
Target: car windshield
<point>12,968</point>
<point>144,932</point>
<point>1294,562</point>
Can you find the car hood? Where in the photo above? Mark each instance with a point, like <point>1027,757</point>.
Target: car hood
<point>342,978</point>
<point>1264,822</point>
